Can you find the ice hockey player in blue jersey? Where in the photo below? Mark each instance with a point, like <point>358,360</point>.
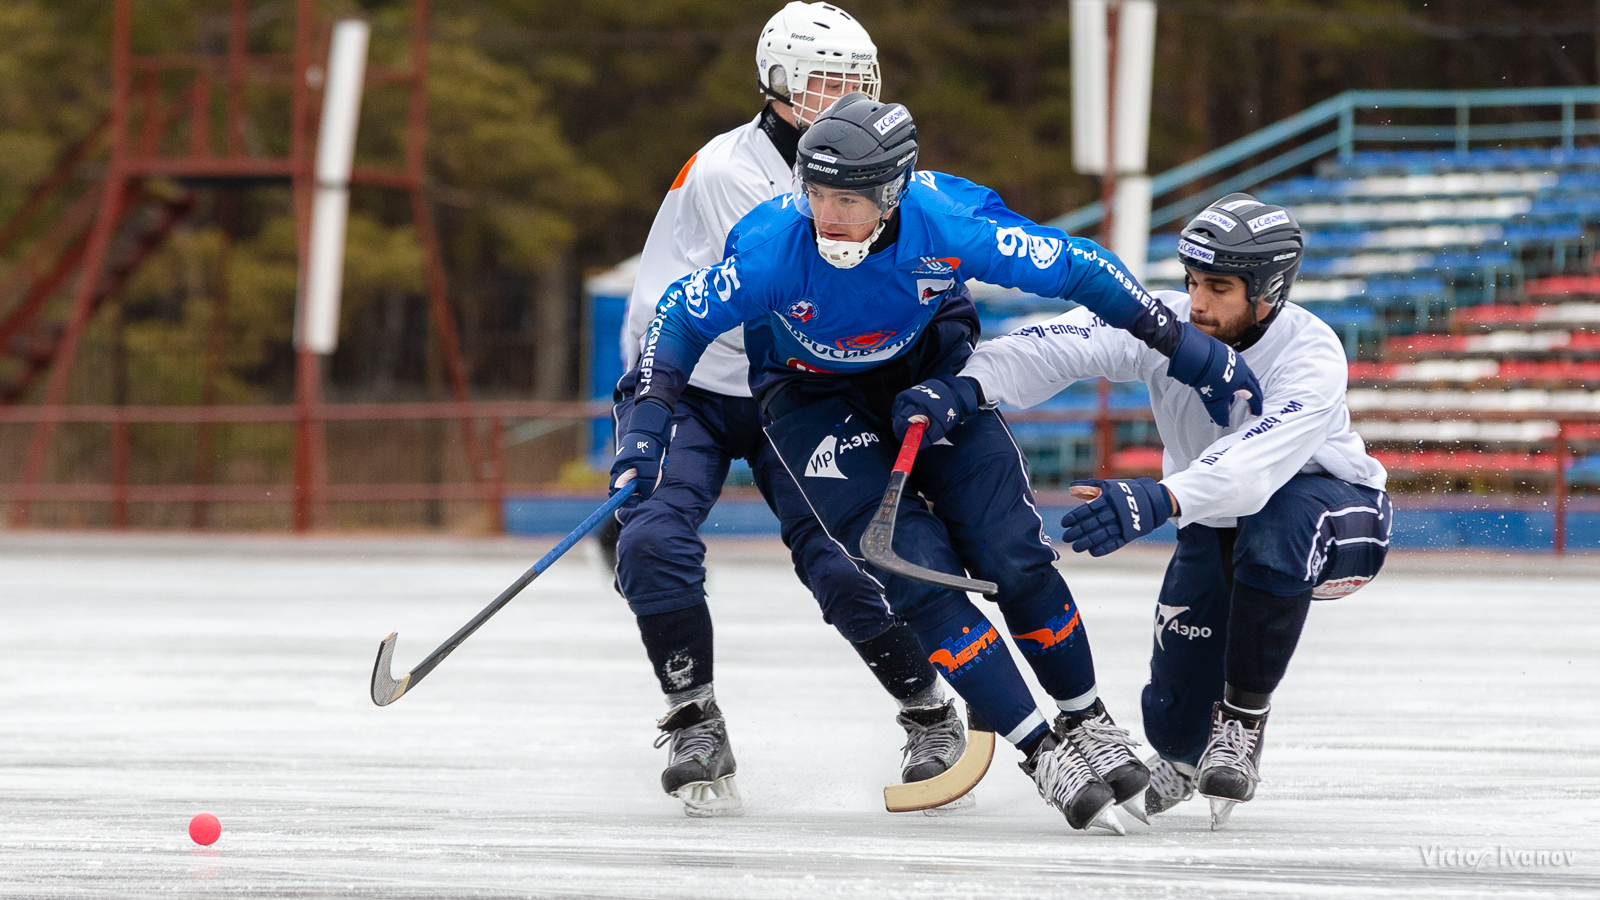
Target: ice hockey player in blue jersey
<point>1275,509</point>
<point>852,296</point>
<point>807,56</point>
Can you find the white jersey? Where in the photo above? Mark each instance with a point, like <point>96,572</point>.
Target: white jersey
<point>1216,474</point>
<point>731,175</point>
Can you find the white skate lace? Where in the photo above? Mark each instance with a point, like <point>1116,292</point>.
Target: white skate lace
<point>692,742</point>
<point>1169,782</point>
<point>1106,744</point>
<point>930,743</point>
<point>1061,774</point>
<point>1231,748</point>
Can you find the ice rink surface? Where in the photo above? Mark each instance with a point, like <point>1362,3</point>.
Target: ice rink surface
<point>1450,708</point>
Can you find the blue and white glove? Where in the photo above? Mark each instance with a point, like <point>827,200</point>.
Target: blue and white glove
<point>1215,371</point>
<point>642,450</point>
<point>1127,508</point>
<point>944,400</point>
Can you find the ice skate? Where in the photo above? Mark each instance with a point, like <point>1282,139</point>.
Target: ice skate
<point>935,739</point>
<point>1110,750</point>
<point>1228,770</point>
<point>700,766</point>
<point>1170,784</point>
<point>1066,781</point>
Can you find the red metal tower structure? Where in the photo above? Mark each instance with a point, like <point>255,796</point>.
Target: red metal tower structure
<point>108,232</point>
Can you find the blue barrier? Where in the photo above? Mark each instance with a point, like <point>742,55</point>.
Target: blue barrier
<point>1446,528</point>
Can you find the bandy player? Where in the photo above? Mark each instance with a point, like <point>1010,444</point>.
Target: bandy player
<point>808,56</point>
<point>1275,509</point>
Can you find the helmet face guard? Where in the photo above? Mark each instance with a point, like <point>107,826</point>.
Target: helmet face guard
<point>811,54</point>
<point>830,205</point>
<point>819,85</point>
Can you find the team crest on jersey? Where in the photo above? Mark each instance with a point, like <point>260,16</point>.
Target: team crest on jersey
<point>871,340</point>
<point>802,310</point>
<point>929,288</point>
<point>944,265</point>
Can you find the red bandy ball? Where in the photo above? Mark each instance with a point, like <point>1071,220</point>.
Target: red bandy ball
<point>205,829</point>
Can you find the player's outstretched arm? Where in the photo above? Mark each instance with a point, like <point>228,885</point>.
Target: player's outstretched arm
<point>1119,510</point>
<point>1047,262</point>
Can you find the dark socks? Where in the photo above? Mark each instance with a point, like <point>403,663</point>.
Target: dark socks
<point>679,646</point>
<point>1263,630</point>
<point>896,659</point>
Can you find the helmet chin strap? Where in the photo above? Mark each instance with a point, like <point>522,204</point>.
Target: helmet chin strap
<point>848,254</point>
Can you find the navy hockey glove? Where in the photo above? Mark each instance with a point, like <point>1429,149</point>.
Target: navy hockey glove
<point>1215,371</point>
<point>944,400</point>
<point>642,450</point>
<point>1126,508</point>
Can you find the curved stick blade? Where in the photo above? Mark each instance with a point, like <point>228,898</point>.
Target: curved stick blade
<point>385,690</point>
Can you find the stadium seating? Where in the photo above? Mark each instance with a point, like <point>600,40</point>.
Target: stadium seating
<point>1451,279</point>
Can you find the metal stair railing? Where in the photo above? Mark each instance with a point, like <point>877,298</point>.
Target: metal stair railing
<point>1340,112</point>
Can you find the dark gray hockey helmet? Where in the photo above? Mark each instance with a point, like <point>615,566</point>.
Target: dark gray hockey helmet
<point>861,145</point>
<point>1239,235</point>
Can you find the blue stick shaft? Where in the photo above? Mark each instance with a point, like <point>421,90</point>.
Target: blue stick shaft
<point>610,506</point>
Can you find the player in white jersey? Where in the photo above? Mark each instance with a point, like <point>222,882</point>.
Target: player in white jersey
<point>808,55</point>
<point>1274,510</point>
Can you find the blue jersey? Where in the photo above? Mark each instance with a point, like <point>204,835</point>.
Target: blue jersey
<point>804,316</point>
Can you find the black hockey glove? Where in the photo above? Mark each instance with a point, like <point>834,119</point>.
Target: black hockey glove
<point>642,450</point>
<point>944,400</point>
<point>1127,508</point>
<point>1215,371</point>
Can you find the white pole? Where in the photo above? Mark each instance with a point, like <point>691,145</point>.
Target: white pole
<point>1136,52</point>
<point>1089,48</point>
<point>330,210</point>
<point>1136,55</point>
<point>1130,238</point>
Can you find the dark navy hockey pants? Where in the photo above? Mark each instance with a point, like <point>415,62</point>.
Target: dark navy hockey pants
<point>840,448</point>
<point>1316,534</point>
<point>660,556</point>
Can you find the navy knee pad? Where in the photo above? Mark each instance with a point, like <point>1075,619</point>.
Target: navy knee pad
<point>660,562</point>
<point>1263,631</point>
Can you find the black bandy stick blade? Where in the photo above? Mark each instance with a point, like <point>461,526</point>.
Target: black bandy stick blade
<point>385,690</point>
<point>877,546</point>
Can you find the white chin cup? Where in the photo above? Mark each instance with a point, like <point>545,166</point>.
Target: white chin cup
<point>847,254</point>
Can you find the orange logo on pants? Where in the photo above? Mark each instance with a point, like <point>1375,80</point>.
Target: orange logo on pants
<point>1051,635</point>
<point>957,652</point>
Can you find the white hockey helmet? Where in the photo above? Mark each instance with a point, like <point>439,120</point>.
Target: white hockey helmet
<point>811,54</point>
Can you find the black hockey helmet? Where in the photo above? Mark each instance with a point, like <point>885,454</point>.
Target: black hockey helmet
<point>1258,242</point>
<point>860,145</point>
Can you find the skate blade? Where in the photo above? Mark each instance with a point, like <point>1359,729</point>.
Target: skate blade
<point>1221,810</point>
<point>1108,821</point>
<point>955,807</point>
<point>705,800</point>
<point>1135,808</point>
